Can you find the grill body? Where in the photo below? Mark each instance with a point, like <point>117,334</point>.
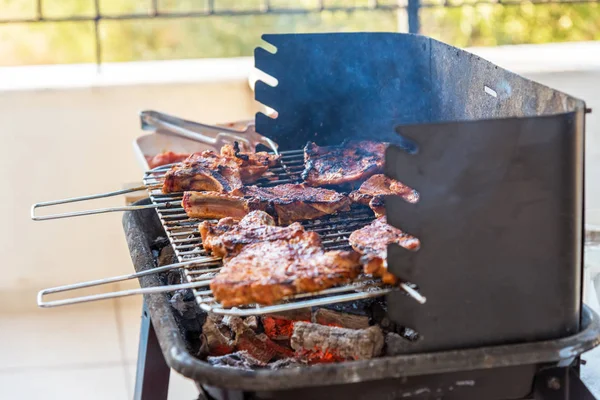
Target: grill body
<point>498,372</point>
<point>498,161</point>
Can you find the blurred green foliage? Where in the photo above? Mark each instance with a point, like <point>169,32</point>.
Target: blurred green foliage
<point>219,36</point>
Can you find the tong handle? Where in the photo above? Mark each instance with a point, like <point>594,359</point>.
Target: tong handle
<point>87,212</point>
<point>157,121</point>
<point>164,123</point>
<point>122,293</point>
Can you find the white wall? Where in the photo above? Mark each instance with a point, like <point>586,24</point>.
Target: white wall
<point>72,136</point>
<point>68,142</point>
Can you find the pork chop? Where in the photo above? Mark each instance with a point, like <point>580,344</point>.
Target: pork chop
<point>373,191</point>
<point>372,241</point>
<point>350,162</point>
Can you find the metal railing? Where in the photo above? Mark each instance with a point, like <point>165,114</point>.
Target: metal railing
<point>412,8</point>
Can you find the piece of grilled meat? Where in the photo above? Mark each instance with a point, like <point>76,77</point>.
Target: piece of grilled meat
<point>266,271</point>
<point>288,202</point>
<point>214,205</point>
<point>373,191</point>
<point>372,240</point>
<point>227,237</point>
<point>252,165</point>
<point>298,202</point>
<point>350,162</point>
<point>203,171</point>
<point>218,172</point>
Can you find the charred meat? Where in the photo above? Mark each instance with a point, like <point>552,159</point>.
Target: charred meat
<point>266,272</point>
<point>373,191</point>
<point>298,202</point>
<point>223,173</point>
<point>288,202</point>
<point>350,162</point>
<point>203,171</point>
<point>372,241</point>
<point>214,205</point>
<point>227,238</point>
<point>252,165</point>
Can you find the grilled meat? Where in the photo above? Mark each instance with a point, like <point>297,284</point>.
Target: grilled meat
<point>218,172</point>
<point>372,240</point>
<point>168,157</point>
<point>373,191</point>
<point>214,205</point>
<point>297,202</point>
<point>350,162</point>
<point>252,165</point>
<point>203,171</point>
<point>227,238</point>
<point>265,272</point>
<point>288,202</point>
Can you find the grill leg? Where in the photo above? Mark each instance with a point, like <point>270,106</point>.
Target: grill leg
<point>561,383</point>
<point>152,375</point>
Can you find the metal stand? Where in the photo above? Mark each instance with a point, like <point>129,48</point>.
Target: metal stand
<point>152,376</point>
<point>560,384</point>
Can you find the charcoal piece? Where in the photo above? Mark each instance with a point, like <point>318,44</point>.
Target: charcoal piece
<point>395,344</point>
<point>359,307</point>
<point>159,243</point>
<point>239,359</point>
<point>216,339</point>
<point>379,316</point>
<point>324,316</point>
<point>338,343</point>
<point>261,347</point>
<point>286,363</point>
<point>183,301</point>
<point>251,322</point>
<point>235,324</point>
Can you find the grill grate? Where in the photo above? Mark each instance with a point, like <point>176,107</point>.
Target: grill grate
<point>334,230</point>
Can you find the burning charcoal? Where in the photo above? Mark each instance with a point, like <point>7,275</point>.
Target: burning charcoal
<point>239,359</point>
<point>286,363</point>
<point>215,341</point>
<point>324,316</point>
<point>320,343</point>
<point>280,326</point>
<point>261,347</point>
<point>395,344</point>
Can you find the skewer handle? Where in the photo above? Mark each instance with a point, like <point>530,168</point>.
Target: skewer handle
<point>122,293</point>
<point>87,212</point>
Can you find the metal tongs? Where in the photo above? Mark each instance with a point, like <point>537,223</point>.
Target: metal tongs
<point>167,124</point>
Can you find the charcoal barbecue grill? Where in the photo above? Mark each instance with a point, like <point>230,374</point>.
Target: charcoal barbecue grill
<point>498,163</point>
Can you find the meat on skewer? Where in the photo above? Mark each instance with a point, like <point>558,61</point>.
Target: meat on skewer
<point>221,173</point>
<point>373,191</point>
<point>372,241</point>
<point>272,264</point>
<point>288,202</point>
<point>335,165</point>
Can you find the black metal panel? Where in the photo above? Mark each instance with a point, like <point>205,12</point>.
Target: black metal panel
<point>499,218</point>
<point>337,86</point>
